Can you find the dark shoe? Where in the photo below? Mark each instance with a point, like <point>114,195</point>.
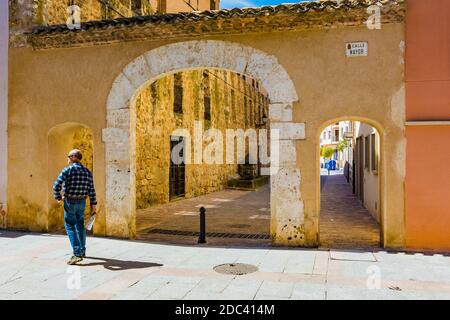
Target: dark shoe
<point>74,260</point>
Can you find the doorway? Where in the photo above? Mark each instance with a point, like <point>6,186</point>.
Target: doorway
<point>177,168</point>
<point>61,139</point>
<point>359,156</point>
<point>350,214</point>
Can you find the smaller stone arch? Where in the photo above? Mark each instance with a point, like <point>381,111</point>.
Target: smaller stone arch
<point>119,136</point>
<point>382,170</point>
<point>61,139</point>
<point>377,125</point>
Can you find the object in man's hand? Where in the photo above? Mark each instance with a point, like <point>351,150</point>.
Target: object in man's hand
<point>90,223</point>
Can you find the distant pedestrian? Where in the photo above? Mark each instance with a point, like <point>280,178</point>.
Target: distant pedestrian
<point>78,185</point>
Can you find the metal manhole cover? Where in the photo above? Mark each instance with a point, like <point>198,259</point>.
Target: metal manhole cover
<point>237,269</point>
<point>239,225</point>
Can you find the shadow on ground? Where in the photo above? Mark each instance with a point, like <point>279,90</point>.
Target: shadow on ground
<point>118,265</point>
<point>12,234</point>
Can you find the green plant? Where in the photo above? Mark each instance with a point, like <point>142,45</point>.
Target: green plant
<point>326,152</point>
<point>343,144</point>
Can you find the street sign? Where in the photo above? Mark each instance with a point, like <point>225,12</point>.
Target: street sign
<point>357,49</point>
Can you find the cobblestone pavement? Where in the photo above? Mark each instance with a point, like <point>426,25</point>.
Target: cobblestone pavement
<point>229,214</point>
<point>344,222</point>
<point>33,266</point>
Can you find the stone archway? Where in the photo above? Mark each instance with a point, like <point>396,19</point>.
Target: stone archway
<point>367,235</point>
<point>287,214</point>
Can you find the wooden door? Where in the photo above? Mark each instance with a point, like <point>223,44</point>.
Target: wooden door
<point>177,169</point>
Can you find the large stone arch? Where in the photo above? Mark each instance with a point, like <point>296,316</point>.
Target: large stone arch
<point>287,215</point>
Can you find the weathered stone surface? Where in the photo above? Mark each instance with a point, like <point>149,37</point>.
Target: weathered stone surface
<point>280,86</point>
<point>118,176</point>
<point>121,92</point>
<point>118,153</point>
<point>288,154</point>
<point>120,205</point>
<point>287,222</point>
<point>138,72</point>
<point>289,130</point>
<point>240,62</point>
<point>286,184</point>
<point>160,62</point>
<point>115,135</point>
<point>118,118</point>
<point>280,112</point>
<point>224,55</point>
<point>260,66</point>
<point>198,54</point>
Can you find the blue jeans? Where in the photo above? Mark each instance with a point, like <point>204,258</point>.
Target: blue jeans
<point>74,223</point>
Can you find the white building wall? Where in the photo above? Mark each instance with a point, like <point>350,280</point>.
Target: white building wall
<point>4,31</point>
<point>328,139</point>
<point>371,178</point>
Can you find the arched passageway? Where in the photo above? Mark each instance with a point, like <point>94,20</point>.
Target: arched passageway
<point>221,117</point>
<point>350,185</point>
<point>287,216</point>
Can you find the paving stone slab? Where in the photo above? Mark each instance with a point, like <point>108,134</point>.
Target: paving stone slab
<point>352,256</point>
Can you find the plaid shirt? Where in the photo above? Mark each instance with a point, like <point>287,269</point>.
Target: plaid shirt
<point>78,182</point>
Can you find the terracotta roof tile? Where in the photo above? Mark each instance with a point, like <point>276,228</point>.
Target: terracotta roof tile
<point>267,19</point>
<point>174,18</point>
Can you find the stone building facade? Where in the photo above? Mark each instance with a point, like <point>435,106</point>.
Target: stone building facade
<point>55,11</point>
<point>26,14</point>
<point>217,99</point>
<point>49,12</point>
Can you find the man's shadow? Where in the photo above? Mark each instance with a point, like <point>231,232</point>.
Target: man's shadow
<point>119,265</point>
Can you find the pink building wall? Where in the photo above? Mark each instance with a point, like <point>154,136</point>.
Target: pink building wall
<point>428,141</point>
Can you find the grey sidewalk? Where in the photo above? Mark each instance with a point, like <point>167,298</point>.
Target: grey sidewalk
<point>33,266</point>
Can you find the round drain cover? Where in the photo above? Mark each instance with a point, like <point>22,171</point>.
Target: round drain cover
<point>237,269</point>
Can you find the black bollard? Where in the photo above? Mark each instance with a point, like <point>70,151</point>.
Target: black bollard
<point>202,236</point>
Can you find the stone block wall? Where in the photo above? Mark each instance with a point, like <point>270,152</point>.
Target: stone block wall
<point>24,14</point>
<point>156,121</point>
<point>56,10</point>
<point>173,6</point>
<point>21,19</point>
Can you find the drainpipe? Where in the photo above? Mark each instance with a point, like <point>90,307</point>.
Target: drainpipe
<point>4,44</point>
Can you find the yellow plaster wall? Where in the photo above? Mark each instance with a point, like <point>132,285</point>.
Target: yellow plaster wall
<point>60,85</point>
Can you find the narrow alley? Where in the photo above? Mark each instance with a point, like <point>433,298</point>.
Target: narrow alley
<point>344,222</point>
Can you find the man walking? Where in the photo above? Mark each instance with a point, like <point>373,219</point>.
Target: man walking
<point>78,185</point>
